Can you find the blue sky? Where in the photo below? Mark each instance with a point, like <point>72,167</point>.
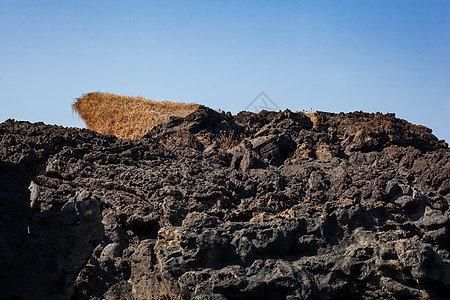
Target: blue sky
<point>388,56</point>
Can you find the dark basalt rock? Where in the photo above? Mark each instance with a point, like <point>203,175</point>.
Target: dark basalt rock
<point>275,205</point>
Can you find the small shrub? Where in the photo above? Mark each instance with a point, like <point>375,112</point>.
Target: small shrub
<point>228,139</point>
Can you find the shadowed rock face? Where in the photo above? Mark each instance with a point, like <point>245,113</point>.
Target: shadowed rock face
<point>275,205</point>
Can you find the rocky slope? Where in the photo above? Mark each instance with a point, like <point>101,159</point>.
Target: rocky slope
<point>275,205</point>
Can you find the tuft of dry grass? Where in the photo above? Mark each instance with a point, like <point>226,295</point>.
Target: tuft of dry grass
<point>126,117</point>
<point>228,139</point>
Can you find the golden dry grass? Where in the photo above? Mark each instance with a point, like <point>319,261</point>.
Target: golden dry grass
<point>126,117</point>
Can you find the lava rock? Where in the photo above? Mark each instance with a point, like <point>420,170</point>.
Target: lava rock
<point>274,205</point>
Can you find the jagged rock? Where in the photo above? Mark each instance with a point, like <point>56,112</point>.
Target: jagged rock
<point>53,248</point>
<point>275,205</point>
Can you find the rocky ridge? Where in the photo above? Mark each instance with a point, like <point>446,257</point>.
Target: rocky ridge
<point>275,205</point>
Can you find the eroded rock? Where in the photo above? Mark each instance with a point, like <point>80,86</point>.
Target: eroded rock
<point>277,205</point>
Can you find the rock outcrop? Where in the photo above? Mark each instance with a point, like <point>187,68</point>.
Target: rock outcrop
<point>275,205</point>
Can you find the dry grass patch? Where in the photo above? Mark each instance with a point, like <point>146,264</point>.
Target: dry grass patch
<point>126,117</point>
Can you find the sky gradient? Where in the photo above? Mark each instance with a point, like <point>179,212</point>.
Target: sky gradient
<point>387,56</point>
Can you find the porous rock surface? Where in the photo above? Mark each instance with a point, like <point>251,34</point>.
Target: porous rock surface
<point>275,205</point>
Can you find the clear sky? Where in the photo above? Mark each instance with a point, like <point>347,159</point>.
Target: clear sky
<point>388,56</point>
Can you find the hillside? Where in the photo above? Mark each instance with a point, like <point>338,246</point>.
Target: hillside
<point>275,205</point>
<point>124,116</point>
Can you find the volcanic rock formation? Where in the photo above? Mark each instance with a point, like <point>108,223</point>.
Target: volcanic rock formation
<point>275,205</point>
